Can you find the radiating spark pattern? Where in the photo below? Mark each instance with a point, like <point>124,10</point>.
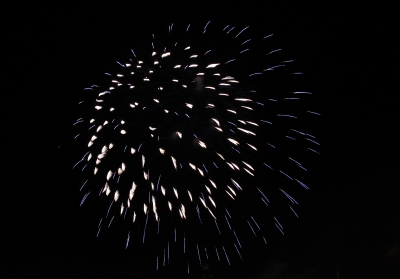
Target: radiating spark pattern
<point>192,127</point>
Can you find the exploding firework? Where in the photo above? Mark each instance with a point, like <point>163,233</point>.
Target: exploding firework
<point>196,142</point>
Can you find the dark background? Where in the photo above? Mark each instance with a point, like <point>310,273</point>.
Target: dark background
<point>349,226</point>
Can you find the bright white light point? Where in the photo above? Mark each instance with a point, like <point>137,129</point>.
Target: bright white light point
<point>200,74</point>
<point>247,108</point>
<point>152,188</point>
<point>170,206</point>
<point>105,123</point>
<point>211,105</point>
<point>208,189</point>
<point>212,201</point>
<point>91,120</point>
<point>93,138</point>
<point>203,202</point>
<point>98,161</point>
<point>100,101</point>
<point>222,157</point>
<point>150,72</point>
<point>176,193</point>
<point>108,191</point>
<point>122,209</point>
<point>136,103</point>
<point>187,48</point>
<point>201,172</point>
<point>202,144</point>
<point>242,121</point>
<point>122,122</point>
<point>236,167</point>
<point>229,194</point>
<point>213,184</point>
<point>235,142</point>
<point>223,94</point>
<point>189,105</point>
<point>212,65</point>
<point>133,150</point>
<point>89,157</point>
<point>163,190</point>
<point>246,131</point>
<point>111,88</point>
<point>116,195</point>
<point>224,84</point>
<point>90,143</point>
<point>184,86</point>
<point>129,203</point>
<point>99,128</point>
<point>166,111</point>
<point>132,73</point>
<point>192,166</point>
<point>243,100</point>
<point>151,128</point>
<point>248,171</point>
<point>179,134</point>
<point>251,146</point>
<point>162,151</point>
<point>120,171</point>
<point>104,149</point>
<point>217,74</point>
<point>210,87</point>
<point>138,66</point>
<point>165,54</point>
<point>193,56</point>
<point>134,217</point>
<point>175,80</point>
<point>98,107</point>
<point>219,129</point>
<point>144,208</point>
<point>247,165</point>
<point>123,166</point>
<point>143,161</point>
<point>216,121</point>
<point>173,161</point>
<point>252,123</point>
<point>153,53</point>
<point>146,79</point>
<point>140,62</point>
<point>123,132</point>
<point>114,81</point>
<point>231,111</point>
<point>109,174</point>
<point>110,146</point>
<point>111,109</point>
<point>190,196</point>
<point>177,66</point>
<point>95,170</point>
<point>101,156</point>
<point>230,165</point>
<point>193,65</point>
<point>156,62</point>
<point>233,192</point>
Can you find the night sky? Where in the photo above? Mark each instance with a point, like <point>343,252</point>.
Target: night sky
<point>349,221</point>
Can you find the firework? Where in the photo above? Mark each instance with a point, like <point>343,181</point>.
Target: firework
<point>197,141</point>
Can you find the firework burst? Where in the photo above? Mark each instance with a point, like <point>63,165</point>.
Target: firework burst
<point>196,141</point>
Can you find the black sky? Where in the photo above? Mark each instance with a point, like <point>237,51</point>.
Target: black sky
<point>350,221</point>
